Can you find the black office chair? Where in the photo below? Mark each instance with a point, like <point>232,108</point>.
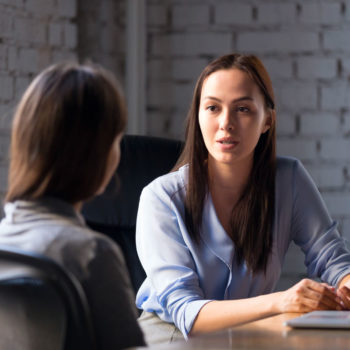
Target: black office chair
<point>42,306</point>
<point>143,158</point>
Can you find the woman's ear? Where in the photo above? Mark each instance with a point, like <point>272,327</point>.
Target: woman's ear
<point>268,121</point>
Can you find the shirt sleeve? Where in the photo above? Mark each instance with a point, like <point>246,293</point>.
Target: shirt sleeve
<point>163,246</point>
<point>111,298</point>
<point>326,254</point>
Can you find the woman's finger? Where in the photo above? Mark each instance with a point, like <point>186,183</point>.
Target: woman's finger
<point>324,301</point>
<point>319,295</point>
<point>321,288</point>
<point>324,289</point>
<point>344,294</point>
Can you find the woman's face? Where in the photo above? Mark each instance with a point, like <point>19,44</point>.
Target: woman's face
<point>112,163</point>
<point>232,116</point>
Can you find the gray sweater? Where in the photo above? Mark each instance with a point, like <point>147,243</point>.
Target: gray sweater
<point>53,228</point>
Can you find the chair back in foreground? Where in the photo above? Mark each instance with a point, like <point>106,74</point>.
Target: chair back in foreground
<point>143,158</point>
<point>42,306</point>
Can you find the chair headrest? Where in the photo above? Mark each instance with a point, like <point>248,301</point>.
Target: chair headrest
<point>143,158</point>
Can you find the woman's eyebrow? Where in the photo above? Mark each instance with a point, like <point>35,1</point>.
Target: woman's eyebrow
<point>212,98</point>
<point>243,98</point>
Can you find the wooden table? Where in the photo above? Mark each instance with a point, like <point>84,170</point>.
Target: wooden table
<point>269,333</point>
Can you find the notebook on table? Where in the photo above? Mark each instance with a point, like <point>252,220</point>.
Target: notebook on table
<point>321,319</point>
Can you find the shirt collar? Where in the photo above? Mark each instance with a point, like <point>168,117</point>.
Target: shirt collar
<point>22,210</point>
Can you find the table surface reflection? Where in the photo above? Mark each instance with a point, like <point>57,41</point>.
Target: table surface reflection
<point>269,333</point>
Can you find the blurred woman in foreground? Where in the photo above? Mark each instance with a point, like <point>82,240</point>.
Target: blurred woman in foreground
<point>64,150</point>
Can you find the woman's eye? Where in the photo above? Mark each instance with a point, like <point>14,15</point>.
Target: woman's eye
<point>243,109</point>
<point>212,108</point>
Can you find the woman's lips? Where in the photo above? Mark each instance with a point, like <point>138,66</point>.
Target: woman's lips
<point>227,143</point>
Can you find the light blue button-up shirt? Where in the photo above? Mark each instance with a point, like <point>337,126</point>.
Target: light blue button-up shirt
<point>182,276</point>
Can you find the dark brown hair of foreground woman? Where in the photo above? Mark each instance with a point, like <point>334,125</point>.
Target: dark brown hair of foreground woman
<point>62,150</point>
<point>252,217</point>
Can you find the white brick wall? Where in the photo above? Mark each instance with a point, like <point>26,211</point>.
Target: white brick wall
<point>286,124</point>
<point>101,35</point>
<point>345,229</point>
<point>55,34</point>
<point>233,13</point>
<point>335,96</point>
<point>3,57</point>
<point>3,177</point>
<point>298,96</point>
<point>40,7</point>
<point>335,149</point>
<point>344,64</point>
<point>304,149</point>
<point>5,24</point>
<point>290,41</point>
<point>347,10</point>
<point>33,34</point>
<point>6,87</point>
<point>319,124</point>
<point>328,178</point>
<point>67,8</point>
<point>187,69</point>
<point>190,15</point>
<point>12,58</point>
<point>160,126</point>
<point>191,44</point>
<point>167,96</point>
<point>279,69</point>
<point>21,83</point>
<point>346,125</point>
<point>160,95</point>
<point>317,67</point>
<point>316,12</point>
<point>28,60</point>
<point>6,112</point>
<point>156,15</point>
<point>30,31</point>
<point>70,35</point>
<point>177,69</point>
<point>276,13</point>
<point>336,40</point>
<point>338,203</point>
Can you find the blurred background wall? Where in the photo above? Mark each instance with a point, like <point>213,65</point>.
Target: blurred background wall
<point>305,46</point>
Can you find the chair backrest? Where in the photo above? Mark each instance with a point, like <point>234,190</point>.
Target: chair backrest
<point>143,158</point>
<point>42,306</point>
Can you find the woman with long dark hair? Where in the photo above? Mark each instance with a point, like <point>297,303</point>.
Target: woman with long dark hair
<point>212,234</point>
<point>64,150</point>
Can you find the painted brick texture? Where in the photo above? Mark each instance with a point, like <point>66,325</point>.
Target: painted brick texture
<point>101,33</point>
<point>33,34</point>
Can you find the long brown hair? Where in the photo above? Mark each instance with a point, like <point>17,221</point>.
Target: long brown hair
<point>253,215</point>
<point>63,131</point>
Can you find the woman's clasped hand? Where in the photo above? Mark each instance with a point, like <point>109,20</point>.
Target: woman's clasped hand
<point>308,295</point>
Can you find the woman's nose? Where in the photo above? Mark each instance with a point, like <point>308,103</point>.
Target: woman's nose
<point>226,120</point>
